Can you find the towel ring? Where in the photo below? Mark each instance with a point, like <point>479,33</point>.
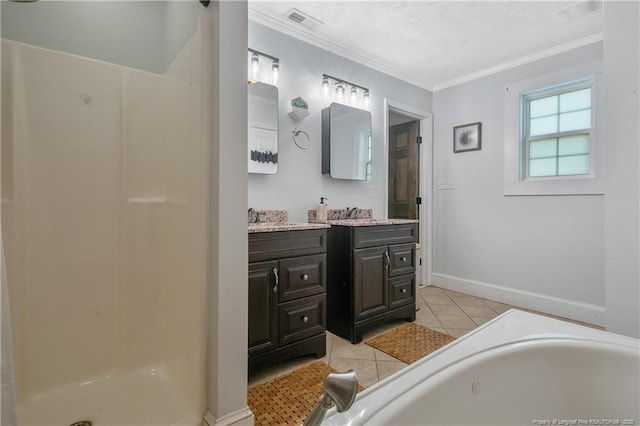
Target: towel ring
<point>302,142</point>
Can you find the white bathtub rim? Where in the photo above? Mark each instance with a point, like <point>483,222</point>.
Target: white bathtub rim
<point>503,334</point>
<point>540,341</point>
<point>439,377</point>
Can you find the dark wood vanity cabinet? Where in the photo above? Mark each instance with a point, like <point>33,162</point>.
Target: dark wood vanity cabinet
<point>371,277</point>
<point>287,288</point>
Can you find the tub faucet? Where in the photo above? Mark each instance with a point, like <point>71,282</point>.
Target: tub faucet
<point>339,388</point>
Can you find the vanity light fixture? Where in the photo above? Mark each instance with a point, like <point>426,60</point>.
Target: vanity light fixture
<point>255,66</point>
<point>340,85</point>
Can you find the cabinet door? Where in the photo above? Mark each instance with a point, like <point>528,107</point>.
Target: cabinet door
<point>263,305</point>
<point>370,281</point>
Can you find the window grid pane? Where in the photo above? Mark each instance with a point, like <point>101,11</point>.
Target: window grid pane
<point>542,167</point>
<point>543,148</point>
<point>576,100</point>
<point>571,145</point>
<point>576,120</point>
<point>573,165</point>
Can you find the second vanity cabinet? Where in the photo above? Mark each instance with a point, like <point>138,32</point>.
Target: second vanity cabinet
<point>371,277</point>
<point>287,286</point>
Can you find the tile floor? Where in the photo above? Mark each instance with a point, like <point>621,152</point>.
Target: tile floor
<point>443,310</point>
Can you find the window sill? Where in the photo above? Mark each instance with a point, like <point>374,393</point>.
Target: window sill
<point>587,185</point>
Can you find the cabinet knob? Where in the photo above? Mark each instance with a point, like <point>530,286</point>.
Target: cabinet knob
<point>305,277</point>
<point>305,319</point>
<point>404,290</point>
<point>403,259</point>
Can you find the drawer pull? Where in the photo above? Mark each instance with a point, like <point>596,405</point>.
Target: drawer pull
<point>305,277</point>
<point>275,273</point>
<point>386,258</point>
<point>403,259</point>
<point>404,290</point>
<point>305,319</point>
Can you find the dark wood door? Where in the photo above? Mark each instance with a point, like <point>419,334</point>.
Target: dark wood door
<point>263,305</point>
<point>404,170</point>
<point>370,281</point>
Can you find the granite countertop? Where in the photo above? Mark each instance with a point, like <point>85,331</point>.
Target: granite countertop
<point>280,226</point>
<point>370,222</point>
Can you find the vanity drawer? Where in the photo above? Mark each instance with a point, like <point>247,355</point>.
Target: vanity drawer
<point>402,290</point>
<point>382,235</point>
<point>302,276</point>
<point>402,259</point>
<point>301,318</point>
<point>282,244</point>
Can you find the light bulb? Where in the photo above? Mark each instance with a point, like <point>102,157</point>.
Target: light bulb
<point>254,66</point>
<point>325,87</point>
<point>340,91</point>
<point>275,68</point>
<point>354,94</point>
<point>366,97</point>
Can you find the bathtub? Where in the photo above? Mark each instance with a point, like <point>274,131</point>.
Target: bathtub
<point>518,369</point>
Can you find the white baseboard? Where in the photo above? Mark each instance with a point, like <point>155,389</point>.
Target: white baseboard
<point>243,417</point>
<point>578,311</point>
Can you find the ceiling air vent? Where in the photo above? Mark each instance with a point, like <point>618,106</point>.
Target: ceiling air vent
<point>302,18</point>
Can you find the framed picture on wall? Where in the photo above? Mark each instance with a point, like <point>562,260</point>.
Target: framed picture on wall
<point>467,137</point>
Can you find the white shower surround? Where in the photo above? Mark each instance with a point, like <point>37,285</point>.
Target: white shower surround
<point>104,195</point>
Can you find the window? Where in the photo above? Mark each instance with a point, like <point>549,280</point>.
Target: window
<point>556,131</point>
<point>552,133</point>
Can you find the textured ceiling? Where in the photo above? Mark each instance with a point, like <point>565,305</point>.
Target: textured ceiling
<point>434,44</point>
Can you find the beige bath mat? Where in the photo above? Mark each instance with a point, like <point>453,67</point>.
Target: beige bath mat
<point>287,400</point>
<point>410,342</point>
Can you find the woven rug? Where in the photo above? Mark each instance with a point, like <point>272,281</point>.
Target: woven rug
<point>287,400</point>
<point>410,342</point>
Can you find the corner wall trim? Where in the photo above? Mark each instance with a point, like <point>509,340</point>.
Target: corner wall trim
<point>243,417</point>
<point>571,309</point>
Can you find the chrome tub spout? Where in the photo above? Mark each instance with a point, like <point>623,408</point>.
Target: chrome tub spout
<point>339,388</point>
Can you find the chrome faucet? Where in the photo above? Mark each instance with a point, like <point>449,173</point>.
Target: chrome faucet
<point>339,388</point>
<point>252,215</point>
<point>350,213</point>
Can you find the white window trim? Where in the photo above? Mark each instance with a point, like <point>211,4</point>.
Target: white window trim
<point>592,184</point>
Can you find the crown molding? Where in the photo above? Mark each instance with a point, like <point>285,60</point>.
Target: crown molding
<point>565,47</point>
<point>293,30</point>
<point>307,36</point>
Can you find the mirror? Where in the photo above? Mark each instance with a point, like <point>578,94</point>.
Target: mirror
<point>262,118</point>
<point>346,142</point>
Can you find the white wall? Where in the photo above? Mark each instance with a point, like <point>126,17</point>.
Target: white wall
<point>542,252</point>
<point>228,297</point>
<point>299,183</point>
<point>621,208</point>
<point>139,34</point>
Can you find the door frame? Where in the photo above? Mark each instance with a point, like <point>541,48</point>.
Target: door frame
<point>423,272</point>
